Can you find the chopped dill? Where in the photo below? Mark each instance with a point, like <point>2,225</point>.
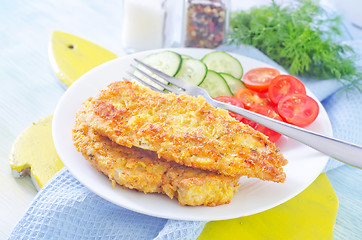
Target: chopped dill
<point>300,38</point>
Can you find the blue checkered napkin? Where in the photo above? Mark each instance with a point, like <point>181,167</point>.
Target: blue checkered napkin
<point>65,209</point>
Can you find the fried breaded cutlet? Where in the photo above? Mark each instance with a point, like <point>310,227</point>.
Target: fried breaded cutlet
<point>183,129</point>
<point>142,170</point>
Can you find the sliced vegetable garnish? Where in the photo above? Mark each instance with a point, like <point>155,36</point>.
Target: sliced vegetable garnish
<point>192,71</point>
<point>251,98</point>
<point>233,101</point>
<point>258,79</point>
<point>166,61</point>
<point>269,112</point>
<point>223,62</point>
<point>215,85</point>
<point>183,56</point>
<point>234,83</point>
<point>284,85</point>
<point>298,109</point>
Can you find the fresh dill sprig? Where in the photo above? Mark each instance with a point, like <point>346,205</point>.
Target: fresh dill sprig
<point>300,38</point>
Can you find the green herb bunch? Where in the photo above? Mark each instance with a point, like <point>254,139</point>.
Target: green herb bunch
<point>299,37</point>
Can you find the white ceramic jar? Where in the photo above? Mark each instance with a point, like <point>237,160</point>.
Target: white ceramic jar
<point>143,25</point>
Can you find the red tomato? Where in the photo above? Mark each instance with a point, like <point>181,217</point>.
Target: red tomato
<point>284,85</point>
<point>249,122</point>
<point>258,79</point>
<point>298,109</point>
<point>251,99</point>
<point>269,112</point>
<point>233,101</point>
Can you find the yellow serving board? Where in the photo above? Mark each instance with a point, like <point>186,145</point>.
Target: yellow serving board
<point>310,215</point>
<point>72,56</point>
<point>34,153</point>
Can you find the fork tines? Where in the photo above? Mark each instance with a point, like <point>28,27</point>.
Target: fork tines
<point>156,79</point>
<point>149,81</point>
<point>157,72</point>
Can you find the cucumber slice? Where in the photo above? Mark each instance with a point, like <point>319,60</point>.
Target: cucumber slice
<point>234,83</point>
<point>215,85</point>
<point>167,61</point>
<point>192,71</point>
<point>183,56</point>
<point>223,62</point>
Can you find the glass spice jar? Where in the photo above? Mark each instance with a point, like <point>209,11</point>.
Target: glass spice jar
<point>206,22</point>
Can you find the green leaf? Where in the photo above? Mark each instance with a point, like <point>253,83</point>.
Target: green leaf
<point>298,37</point>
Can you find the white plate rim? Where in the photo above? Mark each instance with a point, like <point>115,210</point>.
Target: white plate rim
<point>72,99</point>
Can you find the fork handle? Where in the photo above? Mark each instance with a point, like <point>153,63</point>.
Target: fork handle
<point>343,151</point>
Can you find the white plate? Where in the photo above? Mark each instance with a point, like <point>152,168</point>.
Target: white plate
<point>305,164</point>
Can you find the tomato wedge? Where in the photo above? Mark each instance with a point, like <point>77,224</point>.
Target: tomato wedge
<point>268,112</point>
<point>251,98</point>
<point>298,109</point>
<point>233,101</point>
<point>284,85</point>
<point>258,79</point>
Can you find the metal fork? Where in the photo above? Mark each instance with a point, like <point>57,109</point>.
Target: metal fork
<point>340,150</point>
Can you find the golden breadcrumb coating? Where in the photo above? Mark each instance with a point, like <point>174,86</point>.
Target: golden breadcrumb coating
<point>139,169</point>
<point>183,129</point>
